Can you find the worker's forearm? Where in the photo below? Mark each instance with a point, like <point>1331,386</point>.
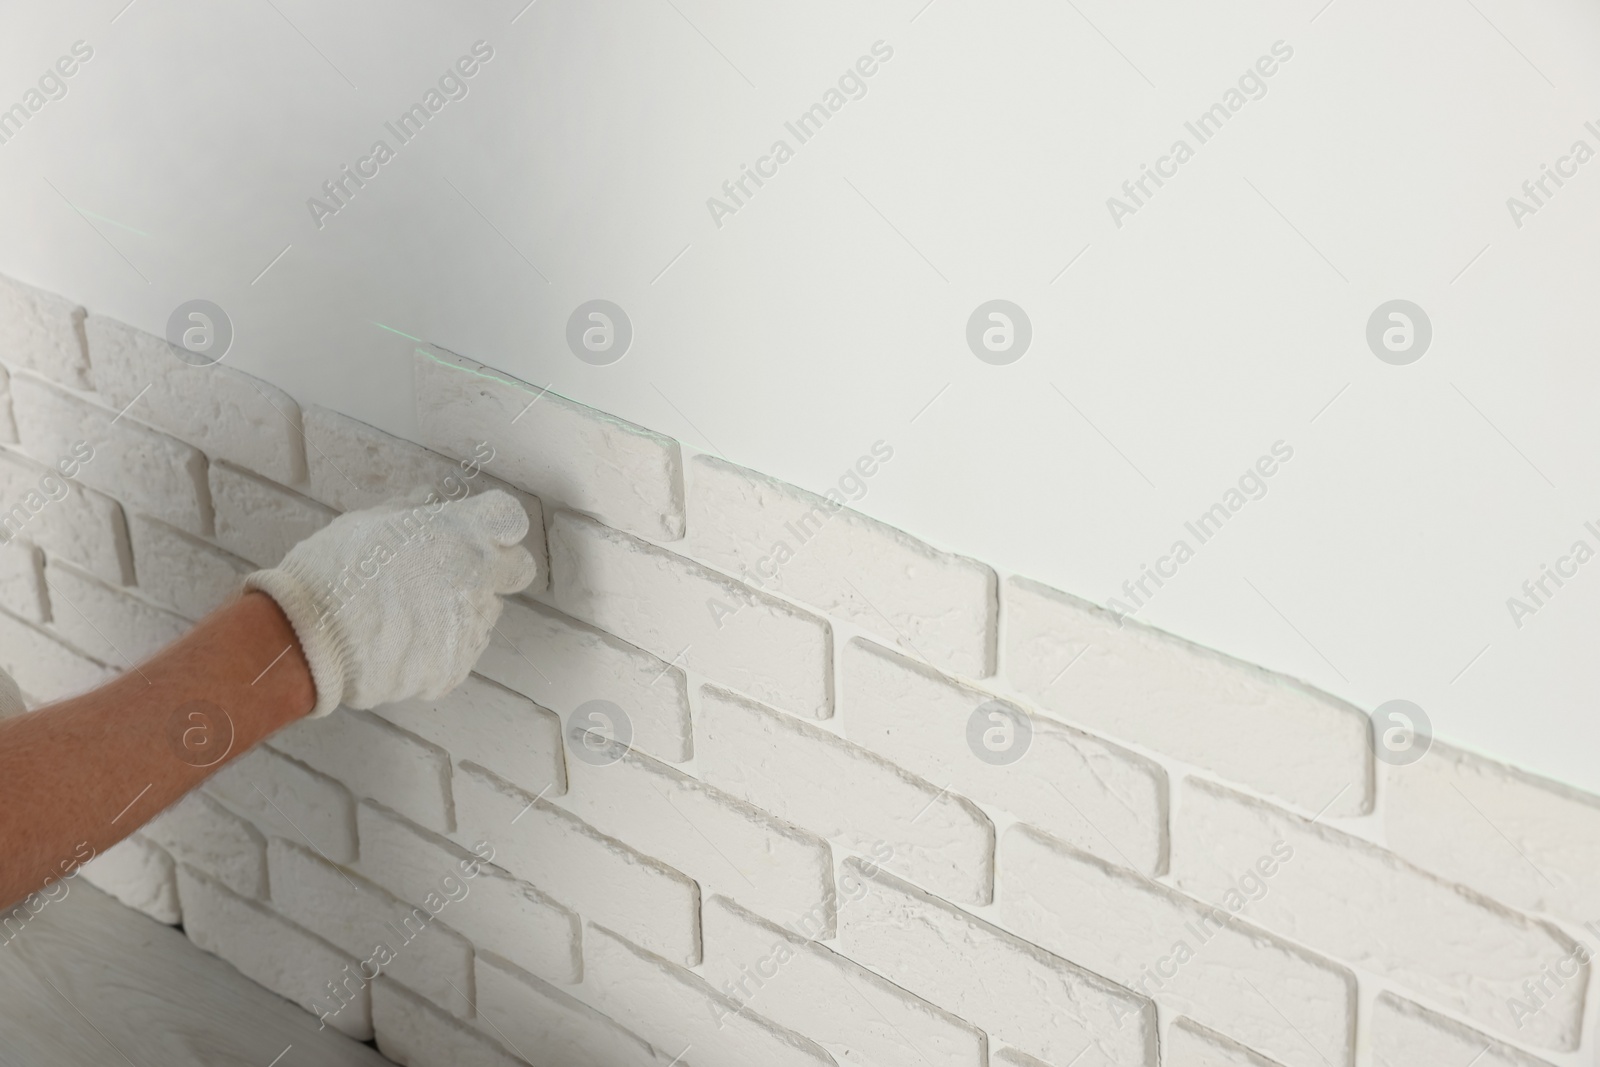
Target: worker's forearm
<point>79,775</point>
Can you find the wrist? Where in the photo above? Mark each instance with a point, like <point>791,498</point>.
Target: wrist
<point>315,639</point>
<point>285,670</point>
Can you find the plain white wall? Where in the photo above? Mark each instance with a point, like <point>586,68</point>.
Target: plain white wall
<point>1222,317</point>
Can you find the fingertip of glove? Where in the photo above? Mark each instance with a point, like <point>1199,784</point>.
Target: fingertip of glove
<point>515,570</point>
<point>500,516</point>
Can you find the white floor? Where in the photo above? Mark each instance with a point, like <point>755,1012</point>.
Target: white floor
<point>91,983</point>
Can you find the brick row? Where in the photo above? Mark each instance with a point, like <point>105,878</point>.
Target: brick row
<point>1354,901</point>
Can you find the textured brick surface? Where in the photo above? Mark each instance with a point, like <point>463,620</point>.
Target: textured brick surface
<point>288,799</point>
<point>64,518</point>
<point>1204,961</point>
<point>775,536</point>
<point>497,728</point>
<point>1015,991</point>
<point>685,613</point>
<point>201,832</point>
<point>43,332</point>
<point>1146,686</point>
<point>1010,1057</point>
<point>1531,843</point>
<point>563,664</point>
<point>1101,798</point>
<point>519,922</point>
<point>139,873</point>
<point>813,990</point>
<point>269,950</point>
<point>226,413</point>
<point>1352,901</point>
<point>1405,1035</point>
<point>155,473</point>
<point>675,1009</point>
<point>189,575</point>
<point>8,422</point>
<point>43,665</point>
<point>354,465</point>
<point>259,520</point>
<point>549,1028</point>
<point>834,789</point>
<point>622,474</point>
<point>413,1032</point>
<point>594,875</point>
<point>724,845</point>
<point>375,759</point>
<point>22,588</point>
<point>110,624</point>
<point>358,917</point>
<point>1192,1045</point>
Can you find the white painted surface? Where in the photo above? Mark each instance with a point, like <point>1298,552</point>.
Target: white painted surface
<point>1227,314</point>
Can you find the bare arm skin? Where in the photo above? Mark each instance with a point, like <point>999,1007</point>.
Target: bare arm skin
<point>83,773</point>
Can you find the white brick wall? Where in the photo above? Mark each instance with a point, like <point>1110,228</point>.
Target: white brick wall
<point>22,588</point>
<point>201,832</point>
<point>139,873</point>
<point>802,859</point>
<point>549,1028</point>
<point>521,923</point>
<point>1191,1045</point>
<point>230,415</point>
<point>1405,1034</point>
<point>355,916</point>
<point>725,845</point>
<point>43,332</point>
<point>841,1005</point>
<point>680,1013</point>
<point>1016,991</point>
<point>271,950</point>
<point>681,611</point>
<point>373,758</point>
<point>44,666</point>
<point>562,663</point>
<point>1206,962</point>
<point>78,524</point>
<point>155,473</point>
<point>578,866</point>
<point>1174,697</point>
<point>184,572</point>
<point>931,604</point>
<point>259,520</point>
<point>622,474</point>
<point>1529,843</point>
<point>497,728</point>
<point>110,624</point>
<point>1353,901</point>
<point>413,1031</point>
<point>821,783</point>
<point>1101,798</point>
<point>8,422</point>
<point>286,798</point>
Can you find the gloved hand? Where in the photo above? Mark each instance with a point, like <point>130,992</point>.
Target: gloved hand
<point>397,601</point>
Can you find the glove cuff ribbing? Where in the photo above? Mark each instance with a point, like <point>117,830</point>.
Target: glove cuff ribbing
<point>318,642</point>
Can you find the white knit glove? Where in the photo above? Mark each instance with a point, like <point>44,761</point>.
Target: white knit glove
<point>397,601</point>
